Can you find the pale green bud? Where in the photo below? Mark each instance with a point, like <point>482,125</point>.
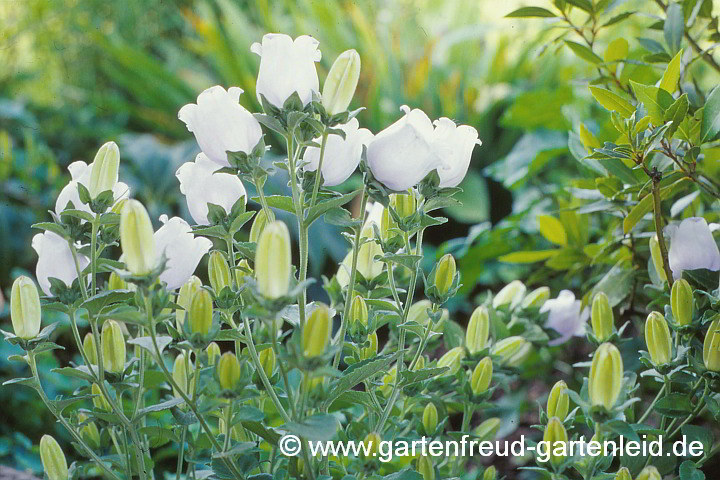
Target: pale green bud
<point>487,430</point>
<point>425,468</point>
<point>53,459</point>
<point>113,347</point>
<point>511,294</point>
<point>478,330</point>
<point>623,474</point>
<point>104,169</point>
<point>99,400</point>
<point>243,270</point>
<point>555,435</point>
<point>368,267</point>
<point>649,473</point>
<point>452,359</point>
<point>656,256</point>
<point>388,380</point>
<point>490,473</point>
<point>430,418</point>
<point>218,271</point>
<point>259,223</point>
<point>606,376</point>
<point>267,361</point>
<point>711,346</point>
<point>481,376</point>
<point>403,203</point>
<point>118,206</point>
<point>273,261</point>
<point>136,239</point>
<point>341,82</point>
<point>184,299</point>
<point>89,431</point>
<point>228,370</point>
<point>90,349</point>
<point>536,298</point>
<point>183,374</point>
<point>372,441</point>
<point>512,350</point>
<point>371,351</point>
<point>602,318</point>
<point>316,334</point>
<point>213,352</point>
<point>681,301</point>
<point>25,308</point>
<point>201,312</point>
<point>420,364</point>
<point>116,283</point>
<point>658,338</point>
<point>445,274</point>
<point>358,312</point>
<point>558,404</point>
<point>238,432</point>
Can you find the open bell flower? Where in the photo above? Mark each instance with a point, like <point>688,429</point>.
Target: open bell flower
<point>455,144</point>
<point>565,316</point>
<point>367,266</point>
<point>55,260</point>
<point>201,185</point>
<point>287,66</point>
<point>692,246</point>
<point>220,124</point>
<point>342,156</point>
<point>182,249</point>
<point>80,172</point>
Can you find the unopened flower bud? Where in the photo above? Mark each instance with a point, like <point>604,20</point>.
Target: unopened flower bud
<point>512,350</point>
<point>116,283</point>
<point>656,256</point>
<point>602,318</point>
<point>184,299</point>
<point>136,239</point>
<point>711,347</point>
<point>358,312</point>
<point>558,404</point>
<point>25,308</point>
<point>658,338</point>
<point>388,380</point>
<point>372,442</point>
<point>511,294</point>
<point>183,374</point>
<point>403,203</point>
<point>452,359</point>
<point>316,334</point>
<point>481,376</point>
<point>99,400</point>
<point>555,435</point>
<point>430,418</point>
<point>487,430</point>
<point>53,459</point>
<point>606,376</point>
<point>267,361</point>
<point>420,364</point>
<point>649,473</point>
<point>371,351</point>
<point>104,170</point>
<point>341,81</point>
<point>623,474</point>
<point>445,274</point>
<point>425,468</point>
<point>201,312</point>
<point>89,431</point>
<point>478,330</point>
<point>273,261</point>
<point>213,353</point>
<point>228,370</point>
<point>113,347</point>
<point>681,301</point>
<point>259,223</point>
<point>241,271</point>
<point>490,473</point>
<point>536,298</point>
<point>90,349</point>
<point>218,272</point>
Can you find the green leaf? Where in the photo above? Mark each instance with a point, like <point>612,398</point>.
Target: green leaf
<point>711,117</point>
<point>552,229</point>
<point>526,12</point>
<point>159,407</point>
<point>689,129</point>
<point>146,342</point>
<point>671,76</point>
<point>82,372</point>
<point>409,377</point>
<point>618,19</point>
<point>268,434</point>
<point>97,302</point>
<point>674,405</point>
<point>616,167</point>
<point>643,207</point>
<point>527,256</point>
<point>674,27</point>
<point>357,373</point>
<point>616,284</point>
<point>239,221</point>
<point>318,210</point>
<point>656,101</point>
<point>689,471</point>
<point>676,114</point>
<point>612,101</point>
<point>51,227</point>
<point>582,5</point>
<point>318,428</point>
<point>584,52</point>
<point>278,201</point>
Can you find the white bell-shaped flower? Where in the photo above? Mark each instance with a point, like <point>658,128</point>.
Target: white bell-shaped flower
<point>220,124</point>
<point>565,316</point>
<point>201,185</point>
<point>287,66</point>
<point>80,173</point>
<point>692,246</point>
<point>454,144</point>
<point>367,266</point>
<point>342,156</point>
<point>55,260</point>
<point>181,248</point>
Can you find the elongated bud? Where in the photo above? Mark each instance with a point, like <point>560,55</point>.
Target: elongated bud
<point>658,338</point>
<point>656,256</point>
<point>90,348</point>
<point>430,418</point>
<point>649,473</point>
<point>213,353</point>
<point>445,274</point>
<point>511,294</point>
<point>388,380</point>
<point>341,82</point>
<point>403,203</point>
<point>481,376</point>
<point>104,170</point>
<point>53,459</point>
<point>228,370</point>
<point>136,239</point>
<point>425,468</point>
<point>490,473</point>
<point>218,272</point>
<point>512,350</point>
<point>623,474</point>
<point>681,301</point>
<point>606,376</point>
<point>113,347</point>
<point>420,364</point>
<point>478,330</point>
<point>358,312</point>
<point>116,283</point>
<point>273,261</point>
<point>602,318</point>
<point>555,435</point>
<point>99,400</point>
<point>316,333</point>
<point>367,266</point>
<point>711,347</point>
<point>558,404</point>
<point>259,223</point>
<point>201,312</point>
<point>184,299</point>
<point>536,298</point>
<point>452,359</point>
<point>182,372</point>
<point>267,361</point>
<point>25,308</point>
<point>371,351</point>
<point>89,431</point>
<point>372,443</point>
<point>241,271</point>
<point>487,430</point>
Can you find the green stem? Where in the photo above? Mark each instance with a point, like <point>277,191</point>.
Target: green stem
<point>78,270</point>
<point>261,194</point>
<point>93,256</point>
<point>652,405</point>
<point>657,211</point>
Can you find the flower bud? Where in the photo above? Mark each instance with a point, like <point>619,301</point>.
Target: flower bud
<point>183,374</point>
<point>241,271</point>
<point>89,431</point>
<point>536,298</point>
<point>201,312</point>
<point>371,351</point>
<point>681,301</point>
<point>228,370</point>
<point>711,347</point>
<point>558,403</point>
<point>602,317</point>
<point>649,473</point>
<point>213,352</point>
<point>420,364</point>
<point>490,473</point>
<point>99,400</point>
<point>136,239</point>
<point>25,308</point>
<point>273,261</point>
<point>259,223</point>
<point>445,274</point>
<point>425,468</point>
<point>512,350</point>
<point>656,256</point>
<point>113,347</point>
<point>372,442</point>
<point>511,294</point>
<point>487,430</point>
<point>53,459</point>
<point>116,283</point>
<point>452,359</point>
<point>218,272</point>
<point>267,361</point>
<point>478,330</point>
<point>341,81</point>
<point>606,376</point>
<point>481,376</point>
<point>316,334</point>
<point>358,312</point>
<point>90,349</point>
<point>555,435</point>
<point>403,203</point>
<point>104,170</point>
<point>623,474</point>
<point>658,338</point>
<point>430,418</point>
<point>388,380</point>
<point>184,299</point>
